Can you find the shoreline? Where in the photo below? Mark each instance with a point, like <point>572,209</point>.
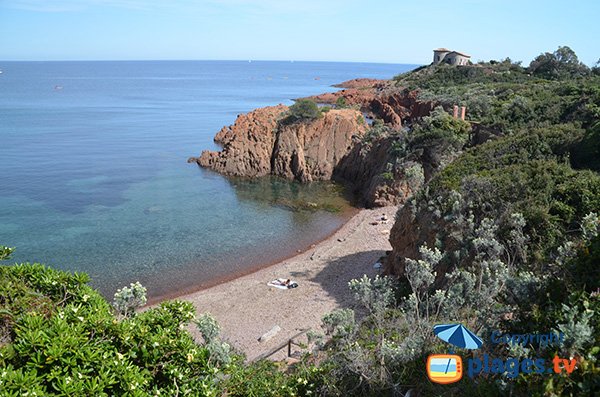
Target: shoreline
<point>246,308</point>
<point>214,282</point>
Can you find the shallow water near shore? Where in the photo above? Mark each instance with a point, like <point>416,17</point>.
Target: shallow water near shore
<point>95,179</point>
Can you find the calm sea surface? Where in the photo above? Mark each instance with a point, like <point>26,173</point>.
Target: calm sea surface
<point>94,175</point>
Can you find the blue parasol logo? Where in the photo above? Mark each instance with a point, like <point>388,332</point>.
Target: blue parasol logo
<point>458,335</point>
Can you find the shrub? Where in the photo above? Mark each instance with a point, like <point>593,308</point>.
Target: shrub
<point>340,103</point>
<point>303,110</point>
<point>127,299</point>
<point>5,253</point>
<point>440,129</point>
<point>65,340</point>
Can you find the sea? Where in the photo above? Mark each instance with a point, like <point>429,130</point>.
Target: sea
<point>94,177</point>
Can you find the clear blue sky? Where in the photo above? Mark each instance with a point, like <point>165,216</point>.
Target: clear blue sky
<point>395,31</point>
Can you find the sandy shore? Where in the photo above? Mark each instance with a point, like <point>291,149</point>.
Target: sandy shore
<point>247,308</point>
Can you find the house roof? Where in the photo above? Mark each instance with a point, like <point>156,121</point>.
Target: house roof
<point>452,52</point>
<point>461,53</point>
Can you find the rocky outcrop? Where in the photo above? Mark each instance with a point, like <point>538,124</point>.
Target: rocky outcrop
<point>262,143</point>
<point>406,236</point>
<point>364,83</point>
<point>374,181</point>
<point>258,144</point>
<point>247,145</point>
<point>380,99</point>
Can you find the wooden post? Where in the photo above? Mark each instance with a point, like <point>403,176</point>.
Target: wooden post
<point>455,113</point>
<point>282,346</point>
<point>463,111</point>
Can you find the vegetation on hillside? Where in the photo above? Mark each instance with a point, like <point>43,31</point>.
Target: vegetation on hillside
<point>511,207</point>
<point>511,224</point>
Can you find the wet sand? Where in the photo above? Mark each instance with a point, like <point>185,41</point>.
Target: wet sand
<point>246,308</point>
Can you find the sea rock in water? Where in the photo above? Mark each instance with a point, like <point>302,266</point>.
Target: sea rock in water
<point>247,145</point>
<point>258,144</point>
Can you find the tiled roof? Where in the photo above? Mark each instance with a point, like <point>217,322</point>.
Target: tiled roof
<point>463,54</point>
<point>455,52</point>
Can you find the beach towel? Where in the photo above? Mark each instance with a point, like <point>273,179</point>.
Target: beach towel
<point>281,283</point>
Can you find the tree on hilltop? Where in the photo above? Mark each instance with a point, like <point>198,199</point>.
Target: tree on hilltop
<point>562,63</point>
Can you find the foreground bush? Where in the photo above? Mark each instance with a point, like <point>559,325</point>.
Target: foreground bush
<point>61,337</point>
<point>65,340</point>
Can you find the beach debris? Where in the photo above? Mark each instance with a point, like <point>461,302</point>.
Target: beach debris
<point>269,334</point>
<point>341,240</point>
<point>374,223</point>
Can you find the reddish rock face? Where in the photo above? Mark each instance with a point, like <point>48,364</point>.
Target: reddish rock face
<point>257,145</point>
<point>380,99</point>
<point>407,235</point>
<point>365,83</point>
<point>247,145</point>
<point>364,168</point>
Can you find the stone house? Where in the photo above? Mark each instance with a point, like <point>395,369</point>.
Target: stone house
<point>450,57</point>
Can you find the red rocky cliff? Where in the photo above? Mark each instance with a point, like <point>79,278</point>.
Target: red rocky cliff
<point>380,99</point>
<point>258,144</point>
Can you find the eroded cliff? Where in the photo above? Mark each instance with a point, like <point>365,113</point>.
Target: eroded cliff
<point>380,99</point>
<point>260,143</point>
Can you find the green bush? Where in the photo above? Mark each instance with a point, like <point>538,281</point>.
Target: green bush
<point>340,103</point>
<point>303,110</point>
<point>560,64</point>
<point>65,340</point>
<point>440,129</point>
<point>58,336</point>
<point>586,154</point>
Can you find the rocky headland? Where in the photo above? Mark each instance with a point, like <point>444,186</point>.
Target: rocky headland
<point>339,145</point>
<point>260,143</point>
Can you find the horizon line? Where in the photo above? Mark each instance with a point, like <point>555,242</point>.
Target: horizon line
<point>202,60</point>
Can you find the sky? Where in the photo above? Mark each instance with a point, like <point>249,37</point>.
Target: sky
<point>386,31</point>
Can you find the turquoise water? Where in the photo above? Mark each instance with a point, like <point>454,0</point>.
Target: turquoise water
<point>94,173</point>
